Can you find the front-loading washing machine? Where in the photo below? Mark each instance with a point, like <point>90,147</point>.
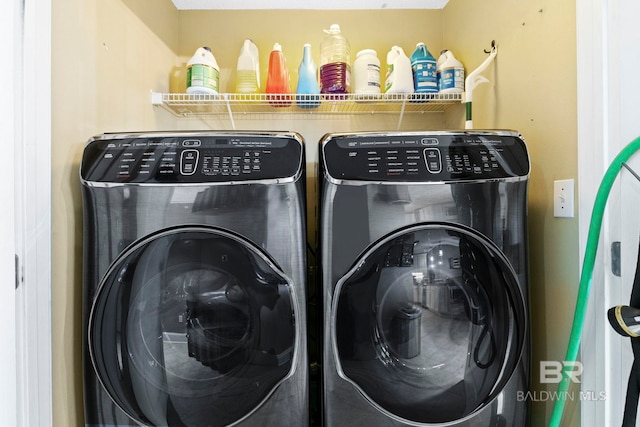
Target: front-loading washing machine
<point>194,279</point>
<point>423,248</point>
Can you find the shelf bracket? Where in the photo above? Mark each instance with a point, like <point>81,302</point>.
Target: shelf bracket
<point>156,98</point>
<point>401,116</point>
<point>229,111</point>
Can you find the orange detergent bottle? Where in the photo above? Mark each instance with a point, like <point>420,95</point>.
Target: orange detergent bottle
<point>278,88</point>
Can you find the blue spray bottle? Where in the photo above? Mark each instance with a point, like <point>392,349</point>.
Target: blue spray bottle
<point>307,91</point>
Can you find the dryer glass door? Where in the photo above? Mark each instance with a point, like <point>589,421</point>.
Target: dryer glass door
<point>429,324</point>
<point>192,326</point>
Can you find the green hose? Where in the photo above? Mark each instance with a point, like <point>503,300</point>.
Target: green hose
<point>587,272</point>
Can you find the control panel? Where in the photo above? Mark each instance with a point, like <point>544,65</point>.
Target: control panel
<point>419,157</point>
<point>191,159</point>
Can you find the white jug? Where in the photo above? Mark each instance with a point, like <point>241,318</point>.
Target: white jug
<point>248,69</point>
<point>399,77</point>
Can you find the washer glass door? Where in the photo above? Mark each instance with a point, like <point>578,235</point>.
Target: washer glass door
<point>429,324</point>
<point>192,326</point>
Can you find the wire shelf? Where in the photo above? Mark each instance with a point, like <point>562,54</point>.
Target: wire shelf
<point>185,105</point>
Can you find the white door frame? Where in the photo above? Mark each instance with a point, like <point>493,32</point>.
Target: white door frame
<point>8,380</point>
<point>592,162</point>
<point>25,213</point>
<point>603,63</point>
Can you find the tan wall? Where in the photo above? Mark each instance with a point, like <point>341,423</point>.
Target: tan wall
<point>533,90</point>
<point>105,63</point>
<point>110,55</point>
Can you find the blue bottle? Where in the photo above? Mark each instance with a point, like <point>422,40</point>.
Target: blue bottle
<point>307,91</point>
<point>423,66</point>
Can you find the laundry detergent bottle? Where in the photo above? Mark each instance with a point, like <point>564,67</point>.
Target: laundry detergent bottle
<point>450,73</point>
<point>366,73</point>
<point>278,88</point>
<point>203,74</point>
<point>335,62</point>
<point>307,90</point>
<point>398,78</point>
<point>423,67</point>
<point>248,69</point>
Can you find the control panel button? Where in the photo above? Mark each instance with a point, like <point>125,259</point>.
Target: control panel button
<point>191,143</point>
<point>429,141</point>
<point>188,162</point>
<point>433,160</point>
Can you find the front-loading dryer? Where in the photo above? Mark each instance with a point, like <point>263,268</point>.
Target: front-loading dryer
<point>194,279</point>
<point>424,274</point>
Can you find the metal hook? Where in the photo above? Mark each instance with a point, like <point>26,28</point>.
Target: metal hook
<point>493,46</point>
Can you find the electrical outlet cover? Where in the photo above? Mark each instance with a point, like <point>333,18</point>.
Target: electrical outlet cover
<point>563,198</point>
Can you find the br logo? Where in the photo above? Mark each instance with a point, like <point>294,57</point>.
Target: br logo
<point>551,371</point>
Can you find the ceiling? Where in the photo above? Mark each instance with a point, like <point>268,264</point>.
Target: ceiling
<point>297,4</point>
